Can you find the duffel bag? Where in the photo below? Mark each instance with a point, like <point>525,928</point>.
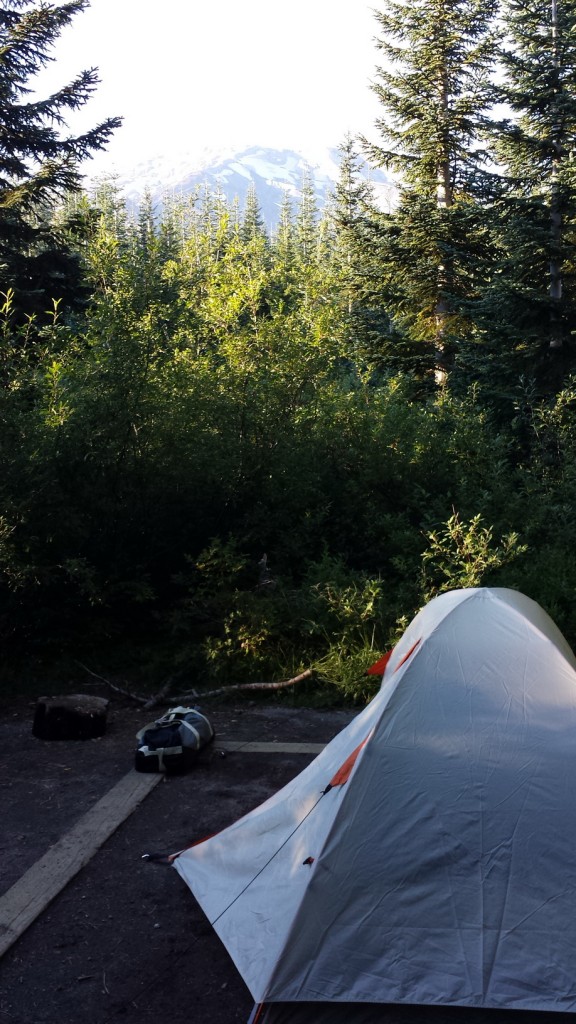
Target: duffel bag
<point>172,743</point>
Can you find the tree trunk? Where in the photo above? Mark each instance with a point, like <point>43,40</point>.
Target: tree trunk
<point>555,269</point>
<point>444,200</point>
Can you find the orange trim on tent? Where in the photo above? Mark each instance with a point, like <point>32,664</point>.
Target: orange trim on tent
<point>377,669</point>
<point>197,842</point>
<point>343,773</point>
<point>406,656</point>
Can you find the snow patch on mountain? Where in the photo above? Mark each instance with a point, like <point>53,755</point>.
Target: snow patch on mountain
<point>274,173</point>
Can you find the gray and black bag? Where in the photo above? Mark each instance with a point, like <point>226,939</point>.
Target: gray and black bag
<point>172,743</point>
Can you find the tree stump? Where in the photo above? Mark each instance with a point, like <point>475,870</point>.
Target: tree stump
<point>75,716</point>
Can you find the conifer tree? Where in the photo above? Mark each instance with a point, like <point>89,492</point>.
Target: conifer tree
<point>284,234</point>
<point>537,145</point>
<point>305,234</point>
<point>355,255</point>
<point>153,244</point>
<point>435,90</point>
<point>252,222</point>
<point>39,161</point>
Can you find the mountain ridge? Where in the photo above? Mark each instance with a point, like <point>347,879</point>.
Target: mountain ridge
<point>232,172</point>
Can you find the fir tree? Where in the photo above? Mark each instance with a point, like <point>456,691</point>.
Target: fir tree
<point>305,234</point>
<point>39,162</point>
<point>355,255</point>
<point>252,223</point>
<point>537,145</point>
<point>435,92</point>
<point>284,235</point>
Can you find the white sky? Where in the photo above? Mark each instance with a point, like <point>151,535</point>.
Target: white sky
<point>186,75</point>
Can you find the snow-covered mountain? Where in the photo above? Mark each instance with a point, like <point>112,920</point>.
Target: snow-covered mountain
<point>273,172</point>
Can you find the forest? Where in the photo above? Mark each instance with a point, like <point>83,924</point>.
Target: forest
<point>230,454</point>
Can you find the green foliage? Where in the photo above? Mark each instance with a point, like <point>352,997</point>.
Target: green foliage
<point>39,162</point>
<point>220,396</point>
<point>464,555</point>
<point>239,622</point>
<point>370,397</point>
<point>348,616</point>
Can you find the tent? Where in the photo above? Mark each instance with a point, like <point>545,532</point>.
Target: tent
<point>428,854</point>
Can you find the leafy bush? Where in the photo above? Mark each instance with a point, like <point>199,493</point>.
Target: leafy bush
<point>464,555</point>
<point>212,405</point>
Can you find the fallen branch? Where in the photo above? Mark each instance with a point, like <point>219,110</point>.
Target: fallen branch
<point>162,693</point>
<point>247,686</point>
<point>114,686</point>
<point>159,698</point>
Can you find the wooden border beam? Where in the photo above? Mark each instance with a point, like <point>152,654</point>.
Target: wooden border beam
<point>32,893</point>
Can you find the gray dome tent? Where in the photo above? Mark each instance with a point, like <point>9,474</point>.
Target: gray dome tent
<point>427,855</point>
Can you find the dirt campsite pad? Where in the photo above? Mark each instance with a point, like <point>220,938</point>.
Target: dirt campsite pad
<point>124,940</point>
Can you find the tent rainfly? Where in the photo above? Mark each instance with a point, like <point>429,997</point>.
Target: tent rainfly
<point>428,854</point>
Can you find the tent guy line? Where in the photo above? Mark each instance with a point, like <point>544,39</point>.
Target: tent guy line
<point>338,779</point>
<point>270,859</point>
